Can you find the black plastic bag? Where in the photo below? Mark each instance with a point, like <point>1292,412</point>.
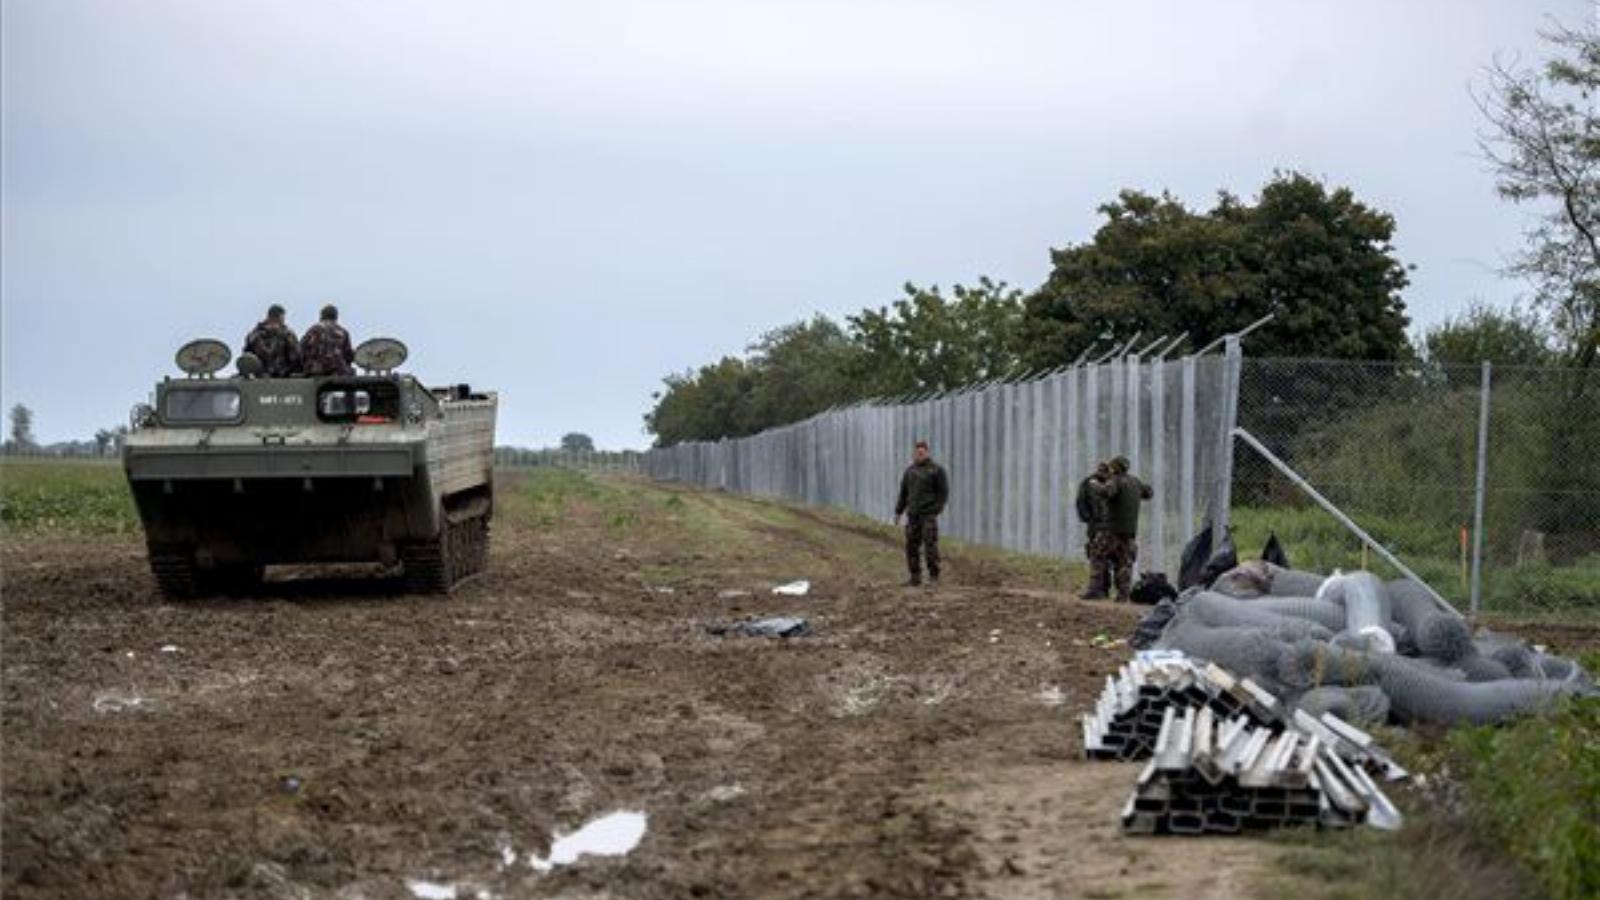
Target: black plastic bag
<point>1273,552</point>
<point>1152,588</point>
<point>1224,558</point>
<point>1192,565</point>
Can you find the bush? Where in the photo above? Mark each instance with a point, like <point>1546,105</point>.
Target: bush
<point>1535,787</point>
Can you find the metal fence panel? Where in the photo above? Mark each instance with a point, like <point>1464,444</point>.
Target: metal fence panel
<point>1015,452</point>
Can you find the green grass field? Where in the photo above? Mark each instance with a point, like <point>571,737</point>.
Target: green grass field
<point>65,497</point>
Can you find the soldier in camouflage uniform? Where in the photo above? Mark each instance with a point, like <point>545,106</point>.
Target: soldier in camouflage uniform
<point>924,490</point>
<point>325,350</point>
<point>273,342</point>
<point>1120,542</point>
<point>1094,511</point>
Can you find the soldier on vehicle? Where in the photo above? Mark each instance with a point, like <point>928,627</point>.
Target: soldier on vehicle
<point>1094,511</point>
<point>924,490</point>
<point>1119,544</point>
<point>273,342</point>
<point>325,349</point>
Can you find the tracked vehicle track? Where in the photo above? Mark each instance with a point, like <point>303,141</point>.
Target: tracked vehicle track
<point>175,573</point>
<point>459,552</point>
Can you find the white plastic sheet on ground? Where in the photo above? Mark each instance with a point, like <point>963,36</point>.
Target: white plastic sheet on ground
<point>611,835</point>
<point>793,589</point>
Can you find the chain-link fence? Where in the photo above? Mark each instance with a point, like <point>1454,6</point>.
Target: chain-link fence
<point>1015,453</point>
<point>1397,447</point>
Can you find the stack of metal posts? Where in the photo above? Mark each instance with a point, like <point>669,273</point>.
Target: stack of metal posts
<point>1225,756</point>
<point>1129,715</point>
<point>1228,776</point>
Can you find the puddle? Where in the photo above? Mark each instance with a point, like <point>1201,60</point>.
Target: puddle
<point>612,835</point>
<point>431,890</point>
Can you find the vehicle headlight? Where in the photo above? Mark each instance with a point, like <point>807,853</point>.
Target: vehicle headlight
<point>141,416</point>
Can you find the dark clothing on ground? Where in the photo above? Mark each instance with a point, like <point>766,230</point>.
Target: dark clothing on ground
<point>325,350</point>
<point>276,346</point>
<point>922,541</point>
<point>1124,496</point>
<point>924,490</point>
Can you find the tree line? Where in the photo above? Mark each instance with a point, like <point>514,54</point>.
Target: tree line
<point>20,440</point>
<point>1316,258</point>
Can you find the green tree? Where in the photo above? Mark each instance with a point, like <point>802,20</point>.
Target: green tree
<point>22,428</point>
<point>1543,142</point>
<point>798,371</point>
<point>577,442</point>
<point>926,341</point>
<point>702,405</point>
<point>1512,337</point>
<point>1316,258</point>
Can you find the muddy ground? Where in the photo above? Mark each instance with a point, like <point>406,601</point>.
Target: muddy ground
<point>328,739</point>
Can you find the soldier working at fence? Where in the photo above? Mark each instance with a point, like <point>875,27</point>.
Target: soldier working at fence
<point>1119,544</point>
<point>325,350</point>
<point>924,490</point>
<point>273,342</point>
<point>1094,511</point>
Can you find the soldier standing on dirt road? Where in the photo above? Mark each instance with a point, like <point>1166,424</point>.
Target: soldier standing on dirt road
<point>273,342</point>
<point>1120,542</point>
<point>1094,511</point>
<point>924,490</point>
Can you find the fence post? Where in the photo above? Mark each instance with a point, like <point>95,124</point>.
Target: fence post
<point>1039,494</point>
<point>1478,495</point>
<point>1118,371</point>
<point>1091,416</point>
<point>1222,492</point>
<point>1008,464</point>
<point>1186,465</point>
<point>1158,465</point>
<point>1073,463</point>
<point>1056,546</point>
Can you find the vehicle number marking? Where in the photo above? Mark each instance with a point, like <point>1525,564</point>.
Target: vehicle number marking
<point>282,400</point>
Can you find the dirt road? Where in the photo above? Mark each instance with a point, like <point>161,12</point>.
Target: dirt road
<point>327,739</point>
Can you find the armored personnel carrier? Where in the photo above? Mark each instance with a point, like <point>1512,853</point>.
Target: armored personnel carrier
<point>235,473</point>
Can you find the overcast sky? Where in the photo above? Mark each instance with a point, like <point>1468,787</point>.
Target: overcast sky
<point>567,201</point>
